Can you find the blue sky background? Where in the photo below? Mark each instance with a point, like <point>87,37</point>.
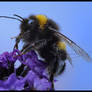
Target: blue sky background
<point>75,21</point>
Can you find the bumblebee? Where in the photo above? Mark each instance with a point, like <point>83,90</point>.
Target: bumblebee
<point>40,33</point>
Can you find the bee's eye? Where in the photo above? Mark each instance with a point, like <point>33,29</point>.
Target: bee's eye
<point>30,21</point>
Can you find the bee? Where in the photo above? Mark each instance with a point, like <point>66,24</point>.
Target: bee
<point>40,33</point>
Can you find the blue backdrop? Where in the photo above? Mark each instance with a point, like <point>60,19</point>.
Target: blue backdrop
<point>75,21</point>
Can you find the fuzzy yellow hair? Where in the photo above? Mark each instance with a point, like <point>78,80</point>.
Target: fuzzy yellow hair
<point>42,20</point>
<point>61,45</point>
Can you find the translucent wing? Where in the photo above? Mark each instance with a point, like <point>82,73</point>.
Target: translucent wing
<point>73,45</point>
<point>69,58</point>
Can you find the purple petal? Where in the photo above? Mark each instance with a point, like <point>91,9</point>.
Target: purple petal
<point>42,84</point>
<point>36,77</point>
<point>12,83</point>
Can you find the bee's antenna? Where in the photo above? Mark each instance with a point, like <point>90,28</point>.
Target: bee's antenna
<point>18,16</point>
<point>10,18</point>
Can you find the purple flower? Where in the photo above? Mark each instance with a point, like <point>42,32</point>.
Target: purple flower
<point>33,63</point>
<point>8,58</point>
<point>31,75</point>
<point>33,80</point>
<point>12,83</point>
<point>42,84</point>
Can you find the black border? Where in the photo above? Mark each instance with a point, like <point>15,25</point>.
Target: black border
<point>45,1</point>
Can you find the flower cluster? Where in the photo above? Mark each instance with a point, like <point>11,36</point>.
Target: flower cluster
<point>30,75</point>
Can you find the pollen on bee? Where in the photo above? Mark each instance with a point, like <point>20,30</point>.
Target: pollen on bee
<point>61,45</point>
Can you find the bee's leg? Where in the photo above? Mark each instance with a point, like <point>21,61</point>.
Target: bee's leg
<point>16,46</point>
<point>36,45</point>
<point>27,48</point>
<point>53,65</point>
<point>24,47</point>
<point>52,80</point>
<point>17,41</point>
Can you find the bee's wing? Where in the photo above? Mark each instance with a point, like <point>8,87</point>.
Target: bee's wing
<point>73,45</point>
<point>69,58</point>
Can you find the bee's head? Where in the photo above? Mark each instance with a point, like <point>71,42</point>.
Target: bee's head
<point>38,22</point>
<point>34,22</point>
